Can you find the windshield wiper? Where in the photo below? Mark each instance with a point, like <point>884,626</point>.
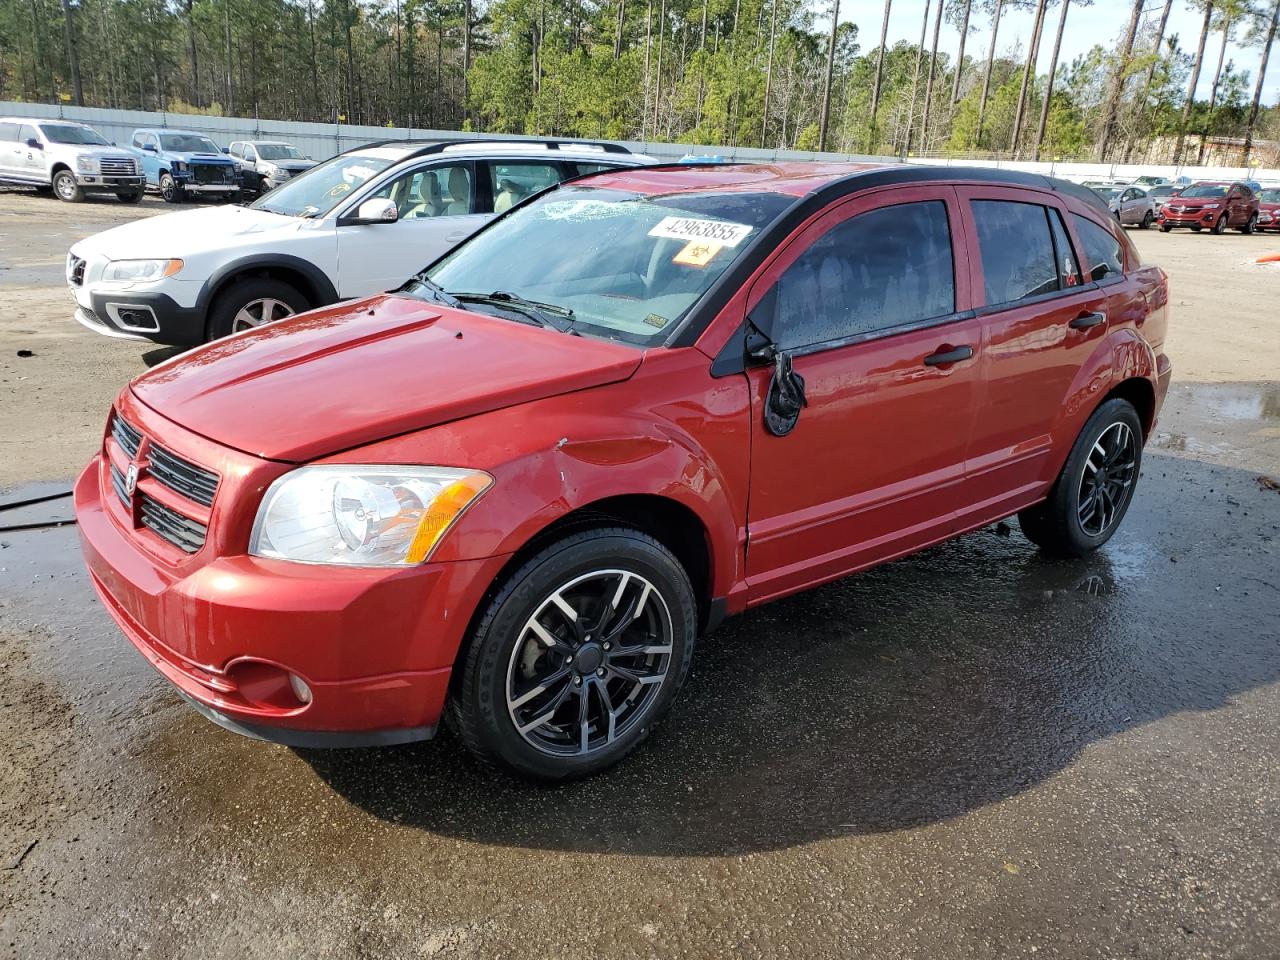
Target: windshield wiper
<point>546,314</point>
<point>435,291</point>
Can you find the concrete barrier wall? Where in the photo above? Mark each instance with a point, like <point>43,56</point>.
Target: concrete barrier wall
<point>323,140</point>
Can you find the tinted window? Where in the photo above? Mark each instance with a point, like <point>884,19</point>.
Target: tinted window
<point>873,272</point>
<point>512,182</point>
<point>1100,248</point>
<point>584,168</point>
<point>1017,252</point>
<point>434,192</point>
<point>1068,269</point>
<point>8,131</point>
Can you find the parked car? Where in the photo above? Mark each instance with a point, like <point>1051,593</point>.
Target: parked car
<point>71,159</point>
<point>355,225</point>
<point>518,489</point>
<point>1131,205</point>
<point>1161,194</point>
<point>1148,181</point>
<point>265,164</point>
<point>181,163</point>
<point>1216,204</point>
<point>1269,208</point>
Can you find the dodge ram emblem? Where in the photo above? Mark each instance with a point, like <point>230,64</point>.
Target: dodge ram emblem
<point>131,479</point>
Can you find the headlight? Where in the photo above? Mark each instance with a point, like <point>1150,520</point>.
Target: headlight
<point>178,166</point>
<point>140,270</point>
<point>87,164</point>
<point>270,169</point>
<point>366,516</point>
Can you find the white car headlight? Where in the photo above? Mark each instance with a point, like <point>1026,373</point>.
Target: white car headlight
<point>366,516</point>
<point>87,164</point>
<point>138,271</point>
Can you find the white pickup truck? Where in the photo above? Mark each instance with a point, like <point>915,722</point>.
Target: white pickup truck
<point>72,159</point>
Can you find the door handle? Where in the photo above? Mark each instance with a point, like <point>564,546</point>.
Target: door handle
<point>944,357</point>
<point>1087,320</point>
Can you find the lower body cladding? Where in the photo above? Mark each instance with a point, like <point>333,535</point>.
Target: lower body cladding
<point>132,315</point>
<point>300,654</point>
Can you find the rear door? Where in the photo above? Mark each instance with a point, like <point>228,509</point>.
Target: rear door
<point>8,148</point>
<point>1041,320</point>
<point>438,204</point>
<point>868,304</point>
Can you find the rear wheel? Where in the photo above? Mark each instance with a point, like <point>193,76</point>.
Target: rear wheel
<point>1250,225</point>
<point>65,187</point>
<point>577,655</point>
<point>252,303</point>
<point>1220,227</point>
<point>170,189</point>
<point>1094,489</point>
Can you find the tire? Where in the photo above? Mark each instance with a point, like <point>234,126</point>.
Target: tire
<point>257,296</point>
<point>1219,228</point>
<point>65,187</point>
<point>170,189</point>
<point>1165,228</point>
<point>134,196</point>
<point>504,654</point>
<point>1195,228</point>
<point>1147,219</point>
<point>1057,525</point>
<point>1250,225</point>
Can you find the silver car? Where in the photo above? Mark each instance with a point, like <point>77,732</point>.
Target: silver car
<point>1132,205</point>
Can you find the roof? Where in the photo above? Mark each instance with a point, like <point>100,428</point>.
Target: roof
<point>802,179</point>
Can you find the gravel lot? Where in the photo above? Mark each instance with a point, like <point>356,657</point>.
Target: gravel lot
<point>971,753</point>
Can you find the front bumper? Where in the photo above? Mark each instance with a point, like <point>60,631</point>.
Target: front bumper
<point>95,181</point>
<point>1197,218</point>
<point>374,646</point>
<point>138,315</point>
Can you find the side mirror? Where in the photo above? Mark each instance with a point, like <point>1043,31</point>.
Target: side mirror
<point>149,147</point>
<point>34,144</point>
<point>226,149</point>
<point>377,210</point>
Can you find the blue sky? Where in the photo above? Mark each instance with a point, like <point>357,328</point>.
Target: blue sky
<point>1104,22</point>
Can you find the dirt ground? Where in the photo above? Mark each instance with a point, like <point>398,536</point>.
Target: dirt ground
<point>975,752</point>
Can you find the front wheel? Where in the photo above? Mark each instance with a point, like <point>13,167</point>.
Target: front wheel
<point>1094,489</point>
<point>170,189</point>
<point>1165,228</point>
<point>576,657</point>
<point>65,187</point>
<point>1147,219</point>
<point>130,196</point>
<point>1220,227</point>
<point>253,303</point>
<point>1250,225</point>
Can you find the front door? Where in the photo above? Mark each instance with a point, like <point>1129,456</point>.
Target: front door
<point>31,158</point>
<point>868,304</point>
<point>438,206</point>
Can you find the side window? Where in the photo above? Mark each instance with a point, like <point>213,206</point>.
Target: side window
<point>433,192</point>
<point>1101,250</point>
<point>1018,258</point>
<point>514,181</point>
<point>585,168</point>
<point>27,133</point>
<point>882,269</point>
<point>1068,269</point>
<point>138,139</point>
<point>235,150</point>
<point>153,140</point>
<point>8,132</point>
<point>250,154</point>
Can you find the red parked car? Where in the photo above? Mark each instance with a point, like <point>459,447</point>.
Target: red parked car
<point>1269,208</point>
<point>1213,204</point>
<point>515,491</point>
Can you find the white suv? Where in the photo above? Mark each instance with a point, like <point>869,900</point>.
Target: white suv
<point>70,158</point>
<point>358,224</point>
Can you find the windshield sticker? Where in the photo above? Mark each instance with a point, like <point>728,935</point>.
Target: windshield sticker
<point>654,320</point>
<point>697,253</point>
<point>685,228</point>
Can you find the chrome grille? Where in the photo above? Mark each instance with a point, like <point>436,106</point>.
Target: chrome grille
<point>212,173</point>
<point>117,167</point>
<point>117,484</point>
<point>183,532</point>
<point>126,435</point>
<point>182,477</point>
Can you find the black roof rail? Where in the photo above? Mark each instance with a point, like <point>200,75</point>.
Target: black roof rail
<point>440,146</point>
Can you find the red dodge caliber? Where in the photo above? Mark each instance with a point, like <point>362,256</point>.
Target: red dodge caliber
<point>514,492</point>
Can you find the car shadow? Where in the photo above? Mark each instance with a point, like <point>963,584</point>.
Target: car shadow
<point>905,696</point>
<point>153,357</point>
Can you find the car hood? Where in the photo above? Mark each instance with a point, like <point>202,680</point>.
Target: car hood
<point>293,166</point>
<point>342,377</point>
<point>188,232</point>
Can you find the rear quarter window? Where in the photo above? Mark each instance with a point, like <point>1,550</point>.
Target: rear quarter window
<point>1102,252</point>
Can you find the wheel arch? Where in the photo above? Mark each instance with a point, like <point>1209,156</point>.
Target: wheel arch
<point>58,167</point>
<point>309,279</point>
